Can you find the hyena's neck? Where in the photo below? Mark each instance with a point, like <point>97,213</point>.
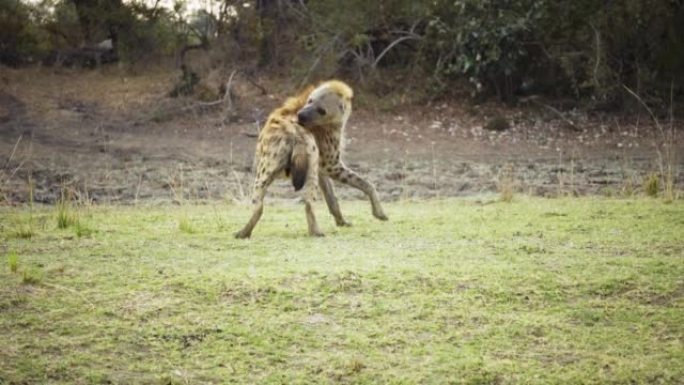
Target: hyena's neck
<point>334,130</point>
<point>338,129</point>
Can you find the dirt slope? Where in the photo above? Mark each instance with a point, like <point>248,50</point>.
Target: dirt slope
<point>107,136</point>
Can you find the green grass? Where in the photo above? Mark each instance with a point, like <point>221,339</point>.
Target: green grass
<point>536,291</point>
<point>12,262</point>
<point>66,216</point>
<point>185,225</point>
<point>82,230</point>
<point>31,276</point>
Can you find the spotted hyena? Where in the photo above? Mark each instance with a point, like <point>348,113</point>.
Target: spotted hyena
<point>303,140</point>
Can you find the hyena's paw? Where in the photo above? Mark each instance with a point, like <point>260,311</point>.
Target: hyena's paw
<point>380,215</point>
<point>242,234</point>
<point>316,234</point>
<point>343,223</point>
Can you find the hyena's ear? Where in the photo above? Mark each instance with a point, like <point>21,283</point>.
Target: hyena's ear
<point>299,165</point>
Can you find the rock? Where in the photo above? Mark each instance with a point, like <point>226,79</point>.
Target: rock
<point>497,123</point>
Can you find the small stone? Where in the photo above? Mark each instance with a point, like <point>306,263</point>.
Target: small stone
<point>497,123</point>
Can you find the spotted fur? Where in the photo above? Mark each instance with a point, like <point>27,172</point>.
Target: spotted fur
<point>303,140</point>
<point>325,114</point>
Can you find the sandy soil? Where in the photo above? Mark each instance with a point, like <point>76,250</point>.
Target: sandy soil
<point>106,136</point>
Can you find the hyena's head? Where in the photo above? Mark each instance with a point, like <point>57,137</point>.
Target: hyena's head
<point>328,104</point>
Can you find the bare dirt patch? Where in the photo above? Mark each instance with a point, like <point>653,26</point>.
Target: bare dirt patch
<point>108,136</point>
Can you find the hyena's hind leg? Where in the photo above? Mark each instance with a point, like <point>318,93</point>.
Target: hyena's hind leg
<point>331,200</point>
<point>341,173</point>
<point>267,170</point>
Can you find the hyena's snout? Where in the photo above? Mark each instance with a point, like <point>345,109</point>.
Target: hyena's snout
<point>305,115</point>
<point>310,114</point>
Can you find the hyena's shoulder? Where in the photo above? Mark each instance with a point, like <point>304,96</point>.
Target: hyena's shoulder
<point>277,125</point>
<point>283,120</point>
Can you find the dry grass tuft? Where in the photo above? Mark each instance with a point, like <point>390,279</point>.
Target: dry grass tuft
<point>506,184</point>
<point>652,185</point>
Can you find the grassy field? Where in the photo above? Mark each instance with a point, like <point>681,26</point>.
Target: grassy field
<point>538,291</point>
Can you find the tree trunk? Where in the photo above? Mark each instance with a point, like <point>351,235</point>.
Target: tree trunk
<point>100,19</point>
<point>269,20</point>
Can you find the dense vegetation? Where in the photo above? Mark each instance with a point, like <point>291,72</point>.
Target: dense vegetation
<point>583,50</point>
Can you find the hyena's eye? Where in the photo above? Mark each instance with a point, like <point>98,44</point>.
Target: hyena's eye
<point>310,101</point>
<point>321,111</point>
<point>342,107</point>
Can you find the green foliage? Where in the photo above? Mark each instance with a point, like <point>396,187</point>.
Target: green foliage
<point>584,49</point>
<point>483,40</point>
<point>21,40</point>
<point>145,38</point>
<point>599,47</point>
<point>44,30</point>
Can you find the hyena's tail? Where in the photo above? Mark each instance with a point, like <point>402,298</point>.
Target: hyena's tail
<point>299,165</point>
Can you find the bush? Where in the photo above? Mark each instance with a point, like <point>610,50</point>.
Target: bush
<point>484,41</point>
<point>21,41</point>
<point>584,49</point>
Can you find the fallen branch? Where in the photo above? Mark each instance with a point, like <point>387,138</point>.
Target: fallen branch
<point>223,99</point>
<point>226,94</point>
<point>255,84</point>
<point>558,113</point>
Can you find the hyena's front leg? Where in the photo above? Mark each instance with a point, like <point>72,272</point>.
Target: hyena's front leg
<point>331,200</point>
<point>341,173</point>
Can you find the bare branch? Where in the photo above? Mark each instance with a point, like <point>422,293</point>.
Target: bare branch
<point>661,159</point>
<point>14,150</point>
<point>650,112</point>
<point>597,34</point>
<point>323,49</point>
<point>394,43</point>
<point>229,84</point>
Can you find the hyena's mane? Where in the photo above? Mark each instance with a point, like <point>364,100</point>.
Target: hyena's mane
<point>292,105</point>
